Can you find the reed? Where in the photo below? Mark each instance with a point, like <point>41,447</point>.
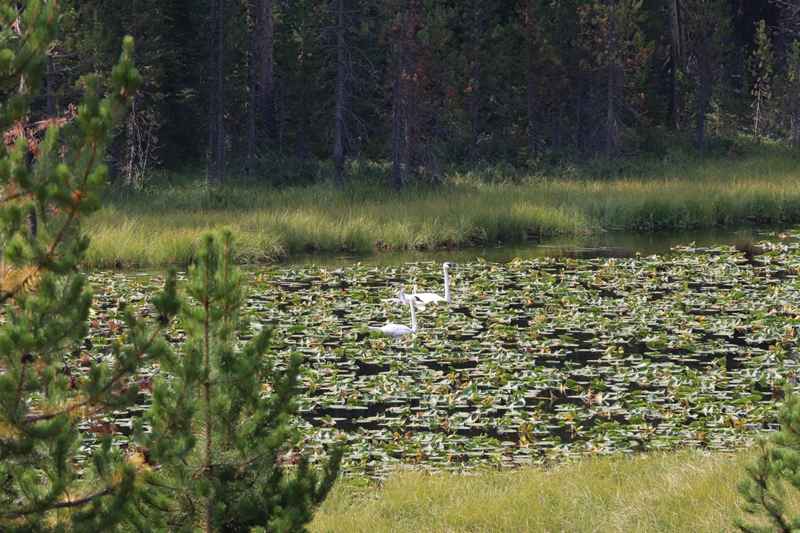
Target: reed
<point>155,228</point>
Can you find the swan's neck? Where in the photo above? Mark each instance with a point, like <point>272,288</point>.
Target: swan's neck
<point>447,285</point>
<point>413,317</point>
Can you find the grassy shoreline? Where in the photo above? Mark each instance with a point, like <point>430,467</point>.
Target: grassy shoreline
<point>157,228</point>
<point>672,491</point>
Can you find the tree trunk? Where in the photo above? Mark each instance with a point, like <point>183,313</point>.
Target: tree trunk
<point>252,81</point>
<point>475,78</point>
<point>411,153</point>
<point>404,120</point>
<point>50,87</point>
<point>612,124</point>
<point>531,75</point>
<point>264,62</point>
<point>558,134</point>
<point>301,149</point>
<point>676,60</point>
<point>398,172</point>
<point>579,134</point>
<point>795,125</point>
<point>338,141</point>
<point>216,144</point>
<point>220,76</point>
<point>703,100</point>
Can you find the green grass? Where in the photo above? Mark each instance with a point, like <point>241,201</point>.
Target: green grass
<point>154,228</point>
<point>679,491</point>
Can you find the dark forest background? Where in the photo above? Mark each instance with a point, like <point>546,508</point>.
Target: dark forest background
<point>243,88</point>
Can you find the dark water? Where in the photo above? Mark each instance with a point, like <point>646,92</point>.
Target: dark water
<point>609,244</point>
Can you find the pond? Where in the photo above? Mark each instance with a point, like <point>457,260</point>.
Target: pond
<point>608,244</point>
<point>538,359</point>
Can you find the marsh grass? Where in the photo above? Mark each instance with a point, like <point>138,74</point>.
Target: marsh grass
<point>678,491</point>
<point>470,208</point>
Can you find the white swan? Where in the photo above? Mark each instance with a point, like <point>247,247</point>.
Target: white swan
<point>431,297</point>
<point>404,299</point>
<point>399,330</point>
<point>401,298</point>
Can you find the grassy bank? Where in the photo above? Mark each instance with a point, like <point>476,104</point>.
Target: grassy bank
<point>683,491</point>
<point>162,227</point>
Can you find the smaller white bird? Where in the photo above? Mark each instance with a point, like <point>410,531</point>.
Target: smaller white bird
<point>431,297</point>
<point>400,298</point>
<point>398,330</point>
<point>404,299</point>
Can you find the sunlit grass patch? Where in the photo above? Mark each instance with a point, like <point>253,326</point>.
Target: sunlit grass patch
<point>678,491</point>
<point>270,224</point>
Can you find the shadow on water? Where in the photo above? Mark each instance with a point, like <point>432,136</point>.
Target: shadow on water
<point>609,244</point>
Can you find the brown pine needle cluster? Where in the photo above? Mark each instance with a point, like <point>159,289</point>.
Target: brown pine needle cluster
<point>17,280</point>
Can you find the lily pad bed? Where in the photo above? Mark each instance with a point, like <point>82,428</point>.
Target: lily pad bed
<point>535,361</point>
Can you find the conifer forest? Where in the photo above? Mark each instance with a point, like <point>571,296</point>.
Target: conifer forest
<point>235,85</point>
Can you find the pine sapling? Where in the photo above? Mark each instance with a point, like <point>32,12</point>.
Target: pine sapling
<point>776,469</point>
<point>221,418</point>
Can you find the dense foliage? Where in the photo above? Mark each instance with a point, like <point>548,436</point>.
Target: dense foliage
<point>51,174</point>
<point>221,426</point>
<point>776,468</point>
<point>64,464</point>
<point>256,83</point>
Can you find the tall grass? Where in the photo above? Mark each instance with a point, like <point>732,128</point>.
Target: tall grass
<point>679,491</point>
<point>162,226</point>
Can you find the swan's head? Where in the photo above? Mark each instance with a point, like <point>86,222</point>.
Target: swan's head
<point>446,265</point>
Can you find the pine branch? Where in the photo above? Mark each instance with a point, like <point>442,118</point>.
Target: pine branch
<point>62,505</point>
<point>774,513</point>
<point>15,196</point>
<point>71,217</point>
<point>155,334</point>
<point>21,384</point>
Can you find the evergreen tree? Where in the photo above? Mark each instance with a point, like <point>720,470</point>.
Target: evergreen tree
<point>403,30</point>
<point>300,60</point>
<point>221,419</point>
<point>616,53</point>
<point>44,485</point>
<point>761,70</point>
<point>429,82</point>
<point>776,468</point>
<point>707,27</point>
<point>791,91</point>
<point>344,71</point>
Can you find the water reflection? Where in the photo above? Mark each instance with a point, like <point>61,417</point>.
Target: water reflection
<point>608,244</point>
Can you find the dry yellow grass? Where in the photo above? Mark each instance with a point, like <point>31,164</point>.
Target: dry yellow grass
<point>684,491</point>
<point>268,224</point>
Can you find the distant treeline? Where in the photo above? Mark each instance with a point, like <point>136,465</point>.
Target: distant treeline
<point>241,84</point>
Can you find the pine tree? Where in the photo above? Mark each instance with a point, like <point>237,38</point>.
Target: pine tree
<point>343,67</point>
<point>221,419</point>
<point>707,27</point>
<point>215,170</point>
<point>762,63</point>
<point>791,94</point>
<point>616,53</point>
<point>776,468</point>
<point>53,169</point>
